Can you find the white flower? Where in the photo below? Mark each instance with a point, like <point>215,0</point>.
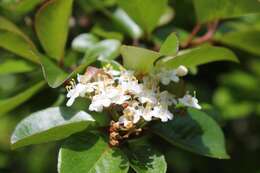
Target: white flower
<point>166,76</point>
<point>147,96</point>
<point>98,102</point>
<point>190,101</point>
<point>181,71</point>
<point>132,87</point>
<point>162,112</point>
<point>167,98</point>
<point>117,95</point>
<point>113,72</point>
<point>124,121</point>
<point>78,91</point>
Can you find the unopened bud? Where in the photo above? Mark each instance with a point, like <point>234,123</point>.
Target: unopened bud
<point>181,71</point>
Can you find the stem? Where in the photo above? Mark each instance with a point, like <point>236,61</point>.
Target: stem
<point>208,35</point>
<point>211,29</point>
<point>194,32</point>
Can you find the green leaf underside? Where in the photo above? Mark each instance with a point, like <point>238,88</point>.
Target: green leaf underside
<point>84,41</point>
<point>90,153</point>
<point>14,40</point>
<point>139,59</point>
<point>195,132</point>
<point>246,40</point>
<point>15,66</point>
<point>221,9</point>
<point>11,103</point>
<point>198,56</point>
<point>52,24</point>
<point>170,46</point>
<point>126,24</point>
<point>145,13</point>
<point>49,125</point>
<point>146,159</point>
<point>103,50</point>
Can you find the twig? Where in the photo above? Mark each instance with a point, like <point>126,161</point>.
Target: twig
<point>208,35</point>
<point>194,32</point>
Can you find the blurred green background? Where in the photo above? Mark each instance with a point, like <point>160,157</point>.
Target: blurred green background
<point>231,92</point>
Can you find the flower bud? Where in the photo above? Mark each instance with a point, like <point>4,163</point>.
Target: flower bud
<point>181,71</point>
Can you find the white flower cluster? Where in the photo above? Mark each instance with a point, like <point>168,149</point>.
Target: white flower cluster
<point>107,87</point>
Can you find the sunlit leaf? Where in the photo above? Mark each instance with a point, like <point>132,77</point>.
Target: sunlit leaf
<point>49,125</point>
<point>198,56</point>
<point>139,59</point>
<point>84,41</point>
<point>145,13</point>
<point>91,153</point>
<point>52,25</point>
<point>103,50</point>
<point>170,46</point>
<point>14,40</point>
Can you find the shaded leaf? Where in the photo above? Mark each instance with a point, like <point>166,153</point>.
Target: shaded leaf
<point>139,59</point>
<point>198,56</point>
<point>20,7</point>
<point>15,66</point>
<point>49,125</point>
<point>11,103</point>
<point>222,9</point>
<point>101,32</point>
<point>246,40</point>
<point>146,159</point>
<point>90,153</point>
<point>14,40</point>
<point>195,132</point>
<point>52,25</point>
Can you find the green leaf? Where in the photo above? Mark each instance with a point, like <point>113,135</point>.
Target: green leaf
<point>146,159</point>
<point>246,40</point>
<point>125,23</point>
<point>167,16</point>
<point>11,103</point>
<point>104,50</point>
<point>146,13</point>
<point>20,7</point>
<point>198,56</point>
<point>49,125</point>
<point>90,153</point>
<point>170,46</point>
<point>196,132</point>
<point>101,32</point>
<point>52,25</point>
<point>53,74</point>
<point>14,40</point>
<point>221,9</point>
<point>138,59</point>
<point>84,41</point>
<point>15,66</point>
